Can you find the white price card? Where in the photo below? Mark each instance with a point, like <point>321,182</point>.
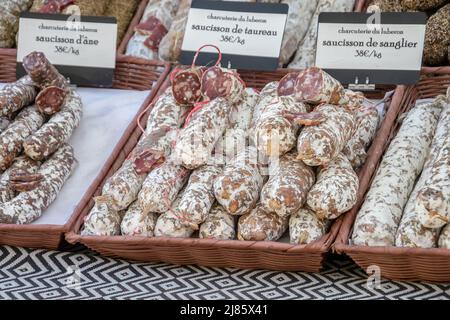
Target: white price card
<point>371,48</point>
<point>249,35</point>
<point>82,48</point>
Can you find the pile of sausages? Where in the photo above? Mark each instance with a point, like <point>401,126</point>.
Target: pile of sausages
<point>408,204</point>
<point>35,159</point>
<point>222,161</point>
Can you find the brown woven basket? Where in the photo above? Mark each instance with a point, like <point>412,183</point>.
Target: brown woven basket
<point>206,252</point>
<point>51,236</point>
<point>395,262</point>
<point>131,73</point>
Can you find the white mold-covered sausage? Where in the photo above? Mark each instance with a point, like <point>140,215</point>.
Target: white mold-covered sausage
<point>335,191</point>
<point>224,83</point>
<point>235,137</point>
<point>161,187</point>
<point>17,95</point>
<point>198,196</point>
<point>219,225</point>
<point>102,220</point>
<point>28,206</point>
<point>267,94</point>
<point>261,225</point>
<point>299,17</point>
<point>366,127</point>
<point>53,134</point>
<point>305,226</point>
<point>286,191</point>
<point>161,131</point>
<point>319,144</point>
<point>136,222</point>
<point>172,224</point>
<point>315,86</point>
<point>433,198</point>
<point>27,122</point>
<point>197,139</point>
<point>237,189</point>
<point>21,164</point>
<point>170,45</point>
<point>379,216</point>
<point>154,25</point>
<point>274,134</point>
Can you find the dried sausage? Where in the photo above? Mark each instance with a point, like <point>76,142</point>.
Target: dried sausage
<point>28,206</point>
<point>198,196</point>
<point>261,225</point>
<point>136,222</point>
<point>320,144</point>
<point>17,95</point>
<point>54,86</point>
<point>28,121</point>
<point>57,130</point>
<point>286,191</point>
<point>335,191</point>
<point>219,225</point>
<point>197,140</point>
<point>161,187</point>
<point>237,189</point>
<point>306,227</point>
<point>379,216</point>
<point>224,83</point>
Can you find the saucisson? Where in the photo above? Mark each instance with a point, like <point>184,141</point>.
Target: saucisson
<point>320,144</point>
<point>161,187</point>
<point>335,191</point>
<point>379,216</point>
<point>54,86</point>
<point>136,222</point>
<point>433,198</point>
<point>102,220</point>
<point>274,134</point>
<point>237,189</point>
<point>28,206</point>
<point>197,140</point>
<point>305,226</point>
<point>27,122</point>
<point>219,225</point>
<point>198,196</point>
<point>261,225</point>
<point>57,130</point>
<point>286,191</point>
<point>366,127</point>
<point>17,95</point>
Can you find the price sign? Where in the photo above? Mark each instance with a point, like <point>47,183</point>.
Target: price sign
<point>378,48</point>
<point>249,35</point>
<point>82,48</point>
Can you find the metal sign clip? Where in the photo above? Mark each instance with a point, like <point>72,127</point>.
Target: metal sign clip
<point>367,86</point>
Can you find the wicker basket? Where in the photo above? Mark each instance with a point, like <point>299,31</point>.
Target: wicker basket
<point>395,262</point>
<point>206,252</point>
<point>130,73</point>
<point>51,236</point>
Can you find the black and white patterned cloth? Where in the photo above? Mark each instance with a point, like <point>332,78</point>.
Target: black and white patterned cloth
<point>42,274</point>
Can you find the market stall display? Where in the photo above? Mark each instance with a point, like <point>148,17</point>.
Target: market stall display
<point>38,187</point>
<point>224,210</point>
<point>46,138</point>
<point>399,230</point>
